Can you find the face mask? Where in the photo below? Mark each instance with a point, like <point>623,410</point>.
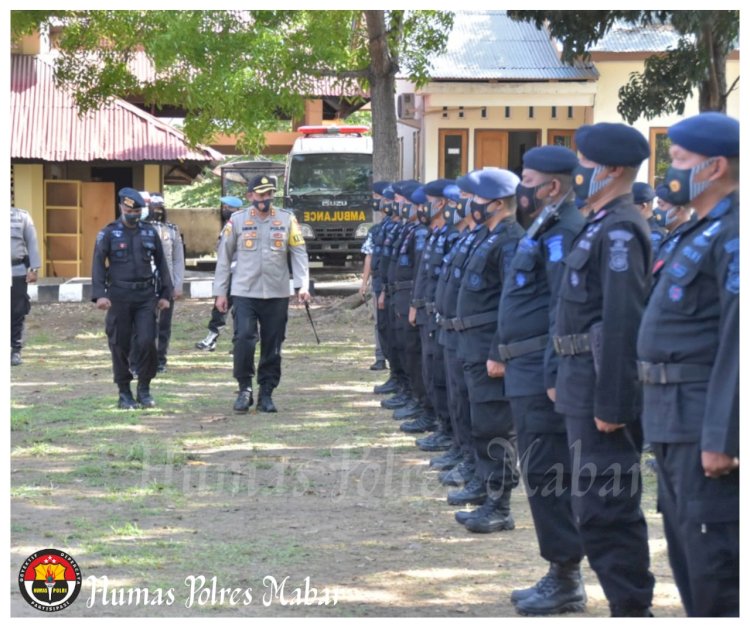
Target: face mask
<point>682,185</point>
<point>131,219</point>
<point>386,207</point>
<point>375,204</point>
<point>262,206</point>
<point>526,198</point>
<point>449,213</point>
<point>144,213</point>
<point>584,184</point>
<point>404,210</point>
<point>423,213</point>
<point>157,214</point>
<point>671,216</point>
<point>479,211</point>
<point>226,214</point>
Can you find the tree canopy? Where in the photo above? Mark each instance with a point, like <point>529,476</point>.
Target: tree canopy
<point>669,78</point>
<point>235,72</point>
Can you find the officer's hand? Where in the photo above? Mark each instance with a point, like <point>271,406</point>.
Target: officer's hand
<point>304,297</point>
<point>608,428</point>
<point>362,290</point>
<point>163,304</point>
<point>495,369</point>
<point>221,304</point>
<point>716,464</point>
<point>381,301</point>
<point>177,293</point>
<point>552,394</point>
<point>30,276</point>
<point>103,303</point>
<point>412,316</point>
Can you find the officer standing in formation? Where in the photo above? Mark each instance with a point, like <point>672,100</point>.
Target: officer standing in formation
<point>24,263</point>
<point>262,237</point>
<point>602,295</point>
<point>525,329</point>
<point>127,255</point>
<point>689,350</point>
<point>643,197</point>
<point>174,252</point>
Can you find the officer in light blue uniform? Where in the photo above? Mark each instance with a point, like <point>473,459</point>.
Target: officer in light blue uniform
<point>602,295</point>
<point>688,347</point>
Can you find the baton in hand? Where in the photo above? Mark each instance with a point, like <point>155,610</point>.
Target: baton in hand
<point>309,317</point>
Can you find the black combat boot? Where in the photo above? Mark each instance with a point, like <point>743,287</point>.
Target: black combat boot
<point>560,591</point>
<point>397,401</point>
<point>126,401</point>
<point>424,423</point>
<point>265,403</point>
<point>493,516</point>
<point>387,387</point>
<point>244,400</point>
<point>143,394</point>
<point>409,411</point>
<point>439,441</point>
<point>475,492</point>
<point>458,475</point>
<point>448,460</point>
<point>378,365</point>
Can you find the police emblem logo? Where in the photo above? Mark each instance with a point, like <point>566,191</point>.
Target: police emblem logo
<point>475,280</point>
<point>277,236</point>
<point>555,248</point>
<point>50,580</point>
<point>574,279</point>
<point>579,179</point>
<point>618,252</point>
<point>278,244</point>
<point>276,223</point>
<point>264,180</point>
<point>457,273</point>
<point>249,244</point>
<point>676,293</point>
<point>128,202</point>
<point>674,185</point>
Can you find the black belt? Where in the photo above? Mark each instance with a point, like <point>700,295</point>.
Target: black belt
<point>429,307</point>
<point>467,322</point>
<point>402,285</point>
<point>572,344</point>
<point>417,303</point>
<point>443,322</point>
<point>16,262</point>
<point>517,349</point>
<point>133,285</point>
<point>663,373</point>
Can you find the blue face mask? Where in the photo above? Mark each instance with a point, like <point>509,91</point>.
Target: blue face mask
<point>682,185</point>
<point>130,219</point>
<point>262,206</point>
<point>584,184</point>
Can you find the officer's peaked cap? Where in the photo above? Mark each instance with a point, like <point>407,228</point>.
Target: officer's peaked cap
<point>612,144</point>
<point>131,198</point>
<point>437,187</point>
<point>231,201</point>
<point>643,193</point>
<point>550,159</point>
<point>262,184</point>
<point>379,187</point>
<point>711,133</point>
<point>406,187</point>
<point>156,200</point>
<point>492,183</point>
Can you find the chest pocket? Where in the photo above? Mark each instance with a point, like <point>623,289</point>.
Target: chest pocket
<point>575,280</point>
<point>149,247</point>
<point>248,242</point>
<point>681,287</point>
<point>119,250</point>
<point>475,277</point>
<point>278,241</point>
<point>523,273</point>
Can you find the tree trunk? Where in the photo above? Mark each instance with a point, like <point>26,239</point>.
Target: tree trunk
<point>713,89</point>
<point>385,154</point>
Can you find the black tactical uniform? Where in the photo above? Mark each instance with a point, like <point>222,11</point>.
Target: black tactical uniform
<point>122,272</point>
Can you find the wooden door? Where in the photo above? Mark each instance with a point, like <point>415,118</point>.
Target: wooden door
<point>490,148</point>
<point>98,210</point>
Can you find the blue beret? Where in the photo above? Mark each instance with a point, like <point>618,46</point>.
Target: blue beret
<point>662,191</point>
<point>261,184</point>
<point>642,193</point>
<point>711,134</point>
<point>389,192</point>
<point>406,187</point>
<point>452,192</point>
<point>463,182</point>
<point>231,201</point>
<point>436,187</point>
<point>131,198</point>
<point>379,186</point>
<point>551,159</point>
<point>612,144</point>
<point>492,183</point>
<point>418,196</point>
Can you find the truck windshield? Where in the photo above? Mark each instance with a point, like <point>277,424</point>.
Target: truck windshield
<point>338,173</point>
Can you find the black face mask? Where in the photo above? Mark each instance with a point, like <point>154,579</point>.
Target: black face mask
<point>262,206</point>
<point>387,208</point>
<point>423,213</point>
<point>375,203</point>
<point>130,219</point>
<point>479,211</point>
<point>404,211</point>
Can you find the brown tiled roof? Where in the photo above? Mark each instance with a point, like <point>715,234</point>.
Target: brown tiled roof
<point>45,125</point>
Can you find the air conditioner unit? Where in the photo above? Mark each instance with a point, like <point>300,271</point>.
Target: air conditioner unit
<point>406,106</point>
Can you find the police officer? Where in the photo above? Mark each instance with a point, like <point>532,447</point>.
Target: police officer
<point>676,217</point>
<point>526,324</point>
<point>493,207</point>
<point>229,205</point>
<point>174,252</point>
<point>262,236</point>
<point>24,262</point>
<point>372,248</point>
<point>688,345</point>
<point>603,291</point>
<point>643,197</point>
<point>126,254</point>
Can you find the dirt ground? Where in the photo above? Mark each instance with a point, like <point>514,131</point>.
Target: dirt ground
<point>188,510</point>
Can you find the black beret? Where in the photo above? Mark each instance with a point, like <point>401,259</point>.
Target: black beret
<point>612,144</point>
<point>131,198</point>
<point>550,159</point>
<point>642,193</point>
<point>710,133</point>
<point>436,187</point>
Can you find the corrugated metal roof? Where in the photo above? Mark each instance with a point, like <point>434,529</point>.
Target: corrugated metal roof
<point>487,45</point>
<point>45,125</point>
<point>624,37</point>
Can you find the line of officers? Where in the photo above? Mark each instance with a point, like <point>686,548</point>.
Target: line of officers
<point>536,329</point>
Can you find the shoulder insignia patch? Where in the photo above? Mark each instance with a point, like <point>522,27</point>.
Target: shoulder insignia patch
<point>618,252</point>
<point>554,248</point>
<point>733,270</point>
